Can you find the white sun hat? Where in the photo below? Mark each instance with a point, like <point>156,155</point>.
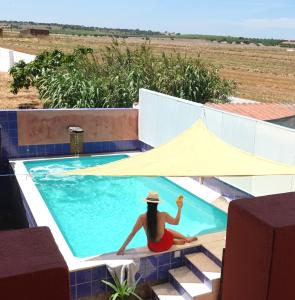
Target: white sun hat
<point>153,197</point>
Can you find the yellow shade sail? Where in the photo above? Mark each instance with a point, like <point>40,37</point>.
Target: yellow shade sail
<point>195,152</point>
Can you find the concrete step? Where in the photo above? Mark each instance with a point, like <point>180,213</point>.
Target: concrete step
<point>166,292</point>
<point>204,268</point>
<point>215,248</point>
<point>189,285</point>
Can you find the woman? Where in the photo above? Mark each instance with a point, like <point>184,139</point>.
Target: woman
<point>159,238</point>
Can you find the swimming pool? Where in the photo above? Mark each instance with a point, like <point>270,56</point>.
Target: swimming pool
<point>95,214</point>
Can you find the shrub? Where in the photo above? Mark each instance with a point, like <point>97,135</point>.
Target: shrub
<point>113,78</point>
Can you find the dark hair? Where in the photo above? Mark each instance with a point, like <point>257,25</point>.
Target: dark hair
<point>152,222</point>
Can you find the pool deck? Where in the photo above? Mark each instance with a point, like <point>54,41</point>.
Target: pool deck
<point>214,242</point>
<point>221,203</point>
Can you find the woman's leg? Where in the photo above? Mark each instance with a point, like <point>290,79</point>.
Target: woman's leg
<point>178,236</point>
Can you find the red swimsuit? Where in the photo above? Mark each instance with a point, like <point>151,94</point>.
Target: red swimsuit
<point>163,244</point>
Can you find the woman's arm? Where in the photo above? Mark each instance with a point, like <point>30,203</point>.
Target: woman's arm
<point>175,221</point>
<point>136,227</point>
<point>171,220</point>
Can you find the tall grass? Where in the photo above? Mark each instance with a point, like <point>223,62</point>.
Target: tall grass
<point>114,76</point>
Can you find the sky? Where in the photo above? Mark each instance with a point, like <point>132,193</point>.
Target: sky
<point>247,18</point>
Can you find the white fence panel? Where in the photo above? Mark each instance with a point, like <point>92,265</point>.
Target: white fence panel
<point>9,57</point>
<point>163,117</point>
<point>213,120</point>
<point>239,132</point>
<point>275,142</point>
<point>27,58</point>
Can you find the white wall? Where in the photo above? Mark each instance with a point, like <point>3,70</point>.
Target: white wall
<point>9,57</point>
<point>162,117</point>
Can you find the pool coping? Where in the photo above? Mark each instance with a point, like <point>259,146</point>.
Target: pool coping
<point>43,216</point>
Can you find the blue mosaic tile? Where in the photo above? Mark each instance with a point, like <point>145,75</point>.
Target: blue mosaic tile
<point>49,149</point>
<point>164,258</point>
<point>58,149</point>
<point>225,189</point>
<point>22,149</point>
<point>150,260</point>
<point>148,266</point>
<point>89,147</point>
<point>131,145</point>
<point>152,276</point>
<point>97,147</point>
<point>176,259</point>
<point>177,264</point>
<point>191,250</point>
<point>12,125</point>
<point>139,278</point>
<point>4,125</point>
<point>40,149</point>
<point>84,290</point>
<point>13,133</point>
<point>163,272</point>
<point>143,146</point>
<point>97,287</point>
<point>73,278</point>
<point>107,147</point>
<point>66,148</point>
<point>3,117</point>
<point>99,273</point>
<point>11,115</point>
<point>83,276</point>
<point>33,149</point>
<point>14,141</point>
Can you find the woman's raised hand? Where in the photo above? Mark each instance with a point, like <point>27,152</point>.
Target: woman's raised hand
<point>179,201</point>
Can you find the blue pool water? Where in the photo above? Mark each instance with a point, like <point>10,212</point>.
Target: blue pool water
<point>96,214</point>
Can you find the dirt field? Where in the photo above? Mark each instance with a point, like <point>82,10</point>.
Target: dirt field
<point>265,74</point>
<point>26,98</point>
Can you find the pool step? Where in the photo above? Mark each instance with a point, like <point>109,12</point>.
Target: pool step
<point>204,268</point>
<point>166,292</point>
<point>199,279</point>
<point>189,285</point>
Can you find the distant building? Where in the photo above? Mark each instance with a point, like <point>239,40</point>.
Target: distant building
<point>34,32</point>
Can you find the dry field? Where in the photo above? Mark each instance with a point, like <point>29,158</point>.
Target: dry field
<point>265,74</point>
<point>24,99</point>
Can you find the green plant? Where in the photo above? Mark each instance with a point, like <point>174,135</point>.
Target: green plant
<point>121,290</point>
<point>113,77</point>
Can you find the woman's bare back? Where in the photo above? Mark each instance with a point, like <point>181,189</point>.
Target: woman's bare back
<point>162,218</point>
